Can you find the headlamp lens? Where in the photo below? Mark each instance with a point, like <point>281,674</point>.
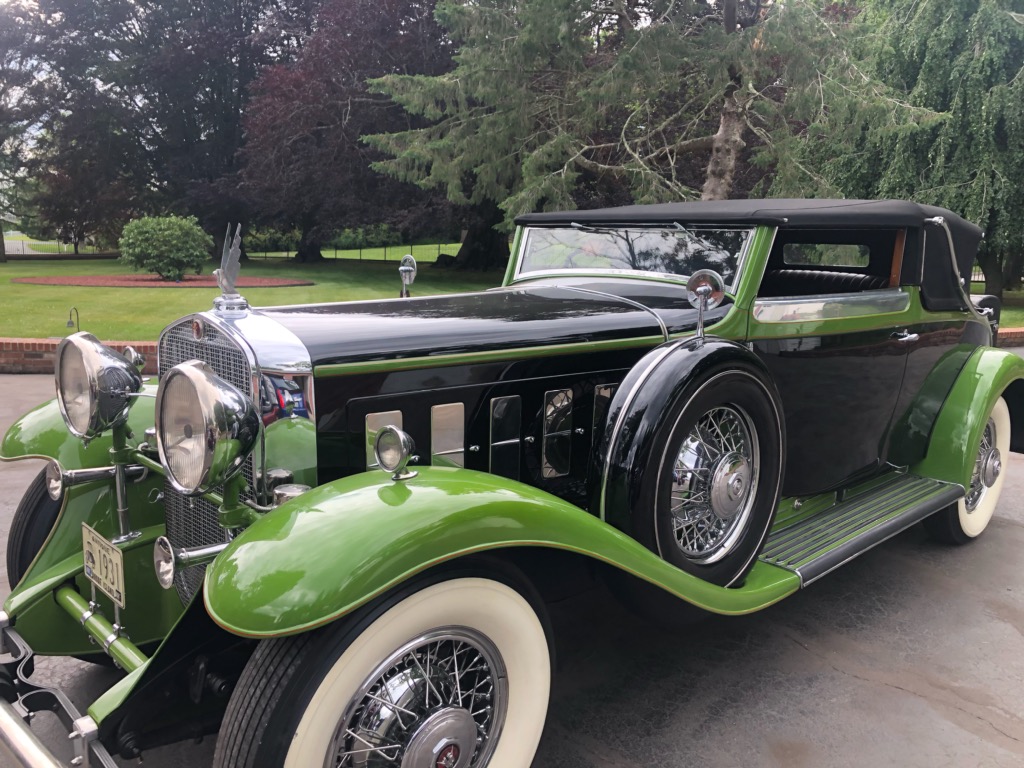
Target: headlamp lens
<point>184,431</point>
<point>74,390</point>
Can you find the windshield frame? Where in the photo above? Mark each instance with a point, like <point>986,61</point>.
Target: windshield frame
<point>523,241</point>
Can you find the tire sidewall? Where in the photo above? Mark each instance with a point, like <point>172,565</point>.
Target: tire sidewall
<point>972,524</point>
<point>342,657</point>
<point>736,387</point>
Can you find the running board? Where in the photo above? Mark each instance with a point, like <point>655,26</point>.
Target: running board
<point>818,545</point>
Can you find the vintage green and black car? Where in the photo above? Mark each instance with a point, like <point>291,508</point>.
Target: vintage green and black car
<point>721,402</point>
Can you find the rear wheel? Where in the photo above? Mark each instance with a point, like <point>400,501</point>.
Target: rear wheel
<point>965,520</point>
<point>453,675</point>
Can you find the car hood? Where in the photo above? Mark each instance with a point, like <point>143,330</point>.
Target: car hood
<point>503,319</point>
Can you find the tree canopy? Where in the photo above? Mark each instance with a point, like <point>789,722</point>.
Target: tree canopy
<point>305,166</point>
<point>963,61</point>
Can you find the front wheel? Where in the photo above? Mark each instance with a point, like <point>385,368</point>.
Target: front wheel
<point>454,675</point>
<point>965,520</point>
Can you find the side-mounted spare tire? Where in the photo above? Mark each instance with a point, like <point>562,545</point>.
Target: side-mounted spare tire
<point>693,455</point>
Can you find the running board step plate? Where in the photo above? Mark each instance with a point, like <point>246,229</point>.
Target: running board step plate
<point>818,545</point>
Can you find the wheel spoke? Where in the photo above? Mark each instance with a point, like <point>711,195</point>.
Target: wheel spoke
<point>444,683</point>
<point>721,439</point>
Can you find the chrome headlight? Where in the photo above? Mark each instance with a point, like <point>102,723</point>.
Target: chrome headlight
<point>94,385</point>
<point>205,428</point>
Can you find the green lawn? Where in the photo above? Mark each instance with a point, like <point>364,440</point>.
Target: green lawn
<point>139,314</point>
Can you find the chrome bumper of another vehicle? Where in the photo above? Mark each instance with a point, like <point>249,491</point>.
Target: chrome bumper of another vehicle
<point>20,700</point>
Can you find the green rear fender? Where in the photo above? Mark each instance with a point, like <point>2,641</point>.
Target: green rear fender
<point>337,547</point>
<point>952,448</point>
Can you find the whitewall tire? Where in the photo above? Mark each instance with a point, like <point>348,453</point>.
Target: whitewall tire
<point>456,674</point>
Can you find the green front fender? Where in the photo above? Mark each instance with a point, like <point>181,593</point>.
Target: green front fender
<point>953,445</point>
<point>334,548</point>
<point>42,434</point>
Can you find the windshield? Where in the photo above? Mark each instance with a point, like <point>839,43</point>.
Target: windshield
<point>674,252</point>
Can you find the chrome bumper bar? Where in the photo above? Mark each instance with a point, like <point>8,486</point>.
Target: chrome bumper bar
<point>20,699</point>
<point>18,745</point>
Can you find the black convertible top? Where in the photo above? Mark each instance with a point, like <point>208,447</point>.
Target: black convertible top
<point>809,212</point>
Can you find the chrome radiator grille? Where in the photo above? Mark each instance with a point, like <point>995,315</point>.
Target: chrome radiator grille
<point>192,522</point>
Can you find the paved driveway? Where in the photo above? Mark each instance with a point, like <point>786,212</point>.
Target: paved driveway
<point>912,655</point>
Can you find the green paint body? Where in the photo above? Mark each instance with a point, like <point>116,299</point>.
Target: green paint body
<point>334,548</point>
<point>962,418</point>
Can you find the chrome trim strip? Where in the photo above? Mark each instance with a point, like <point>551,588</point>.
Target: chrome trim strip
<point>631,302</point>
<point>826,306</point>
<point>630,397</point>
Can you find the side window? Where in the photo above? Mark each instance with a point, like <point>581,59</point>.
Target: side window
<point>826,254</point>
<point>816,262</point>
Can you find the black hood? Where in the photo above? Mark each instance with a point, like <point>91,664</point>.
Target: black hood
<point>491,321</point>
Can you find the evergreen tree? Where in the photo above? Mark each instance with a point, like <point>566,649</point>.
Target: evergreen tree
<point>554,99</point>
<point>963,62</point>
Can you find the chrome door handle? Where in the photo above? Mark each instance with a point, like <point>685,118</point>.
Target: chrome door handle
<point>906,336</point>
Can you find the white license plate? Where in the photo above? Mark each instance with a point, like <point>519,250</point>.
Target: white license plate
<point>104,564</point>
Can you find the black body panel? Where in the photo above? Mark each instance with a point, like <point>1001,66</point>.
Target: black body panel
<point>505,319</point>
<point>838,393</point>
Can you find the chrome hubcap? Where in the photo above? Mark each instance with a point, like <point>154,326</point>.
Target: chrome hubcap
<point>730,480</point>
<point>437,702</point>
<point>713,484</point>
<point>987,466</point>
<point>991,466</point>
<point>446,739</point>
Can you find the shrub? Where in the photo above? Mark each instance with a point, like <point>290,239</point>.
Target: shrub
<point>372,236</point>
<point>260,240</point>
<point>166,245</point>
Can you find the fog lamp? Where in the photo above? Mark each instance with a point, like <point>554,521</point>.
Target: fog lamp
<point>393,448</point>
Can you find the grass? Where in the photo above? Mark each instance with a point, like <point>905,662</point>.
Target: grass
<point>139,314</point>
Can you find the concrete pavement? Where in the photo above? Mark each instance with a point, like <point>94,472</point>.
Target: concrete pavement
<point>912,655</point>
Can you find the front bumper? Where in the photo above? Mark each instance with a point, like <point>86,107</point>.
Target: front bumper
<point>20,699</point>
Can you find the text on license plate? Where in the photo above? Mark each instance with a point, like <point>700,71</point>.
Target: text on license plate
<point>104,564</point>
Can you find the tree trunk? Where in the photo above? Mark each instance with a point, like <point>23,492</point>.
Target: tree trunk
<point>309,248</point>
<point>990,264</point>
<point>728,142</point>
<point>3,247</point>
<point>485,247</point>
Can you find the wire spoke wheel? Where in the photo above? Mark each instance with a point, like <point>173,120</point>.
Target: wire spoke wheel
<point>437,702</point>
<point>714,481</point>
<point>986,464</point>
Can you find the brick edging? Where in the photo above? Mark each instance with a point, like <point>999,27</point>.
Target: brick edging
<point>36,355</point>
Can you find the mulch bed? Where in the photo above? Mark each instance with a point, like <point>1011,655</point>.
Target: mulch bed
<point>154,281</point>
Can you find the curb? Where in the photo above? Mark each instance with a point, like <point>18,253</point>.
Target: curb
<point>37,355</point>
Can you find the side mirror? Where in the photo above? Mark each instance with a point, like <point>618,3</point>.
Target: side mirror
<point>704,290</point>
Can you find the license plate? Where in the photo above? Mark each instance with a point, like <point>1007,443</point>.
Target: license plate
<point>104,564</point>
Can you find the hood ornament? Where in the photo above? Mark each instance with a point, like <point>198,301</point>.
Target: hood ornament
<point>227,275</point>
